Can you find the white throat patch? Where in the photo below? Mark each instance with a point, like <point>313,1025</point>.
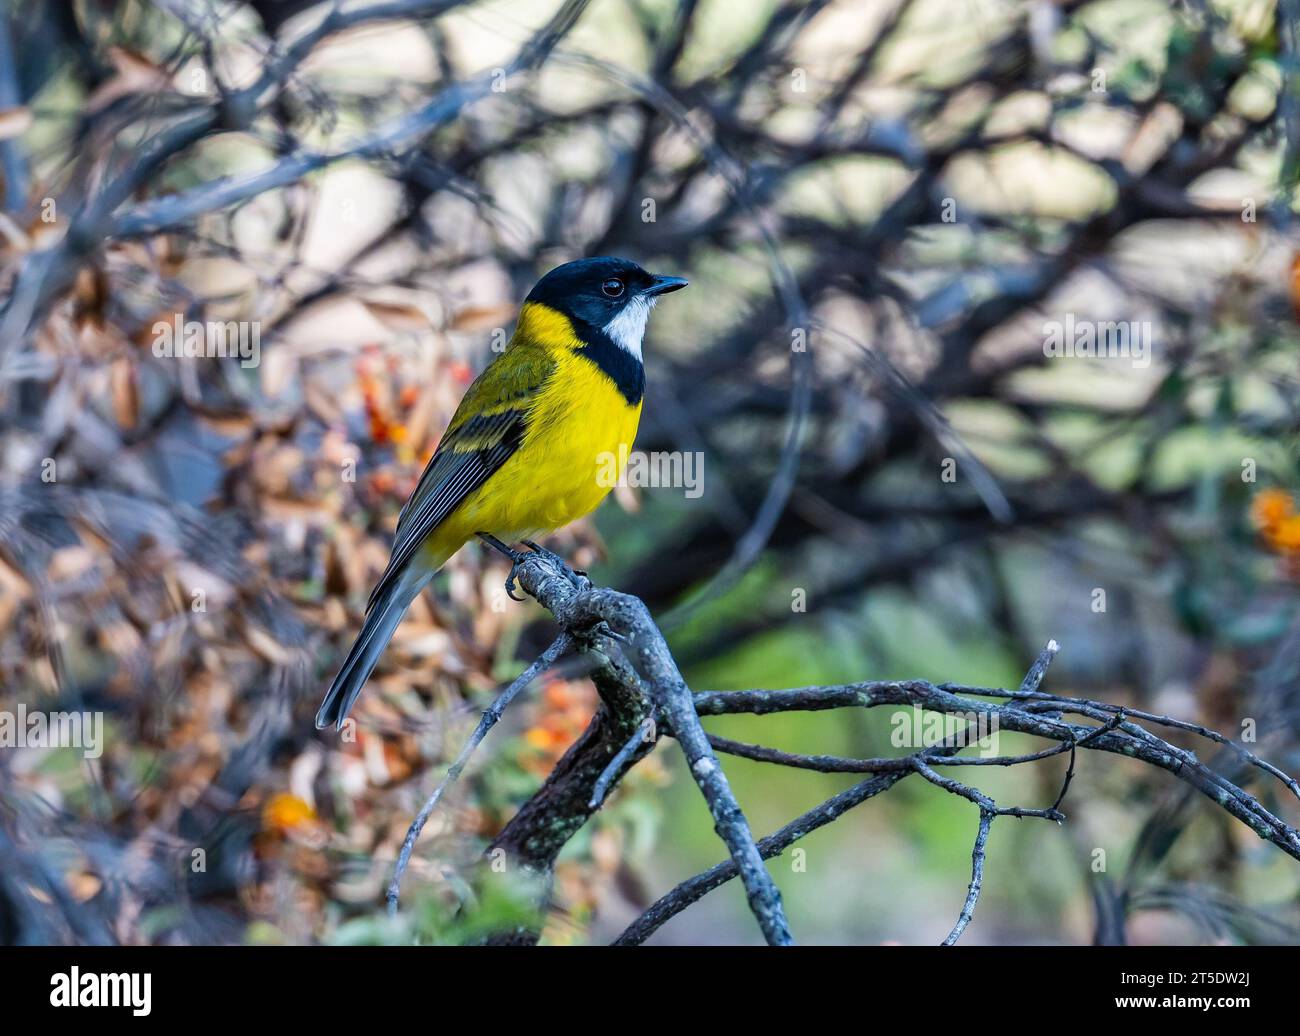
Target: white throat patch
<point>628,328</point>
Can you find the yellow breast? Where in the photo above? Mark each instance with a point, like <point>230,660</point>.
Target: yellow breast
<point>580,432</point>
<point>578,442</point>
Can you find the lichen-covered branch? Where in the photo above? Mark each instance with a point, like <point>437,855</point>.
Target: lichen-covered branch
<point>645,683</point>
<point>643,694</point>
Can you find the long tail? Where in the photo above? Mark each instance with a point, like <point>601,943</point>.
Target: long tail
<point>381,621</point>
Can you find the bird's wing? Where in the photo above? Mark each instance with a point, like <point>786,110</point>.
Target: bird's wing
<point>486,429</point>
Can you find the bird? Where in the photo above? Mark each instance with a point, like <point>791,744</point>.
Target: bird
<point>528,449</point>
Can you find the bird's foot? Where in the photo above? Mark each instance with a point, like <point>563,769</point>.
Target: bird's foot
<point>516,559</point>
<point>576,577</point>
<point>510,582</point>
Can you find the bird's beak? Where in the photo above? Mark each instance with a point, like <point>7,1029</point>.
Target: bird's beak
<point>663,285</point>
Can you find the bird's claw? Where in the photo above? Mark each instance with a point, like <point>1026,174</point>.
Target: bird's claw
<point>516,559</point>
<point>576,578</point>
<point>510,583</point>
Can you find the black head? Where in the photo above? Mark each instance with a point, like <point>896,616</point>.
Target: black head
<point>596,292</point>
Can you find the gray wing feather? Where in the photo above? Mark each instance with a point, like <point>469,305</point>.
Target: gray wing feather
<point>450,477</point>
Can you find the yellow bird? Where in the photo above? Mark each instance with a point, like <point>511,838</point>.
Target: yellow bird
<point>531,447</point>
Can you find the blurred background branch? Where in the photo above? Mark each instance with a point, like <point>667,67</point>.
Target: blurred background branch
<point>889,215</point>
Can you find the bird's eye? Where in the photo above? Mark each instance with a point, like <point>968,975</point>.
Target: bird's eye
<point>612,287</point>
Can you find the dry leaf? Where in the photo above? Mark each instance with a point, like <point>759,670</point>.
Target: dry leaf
<point>68,563</point>
<point>1295,285</point>
<point>398,316</point>
<point>482,318</point>
<point>83,886</point>
<point>420,419</point>
<point>126,395</point>
<point>267,646</point>
<point>135,74</point>
<point>14,122</point>
<point>279,370</point>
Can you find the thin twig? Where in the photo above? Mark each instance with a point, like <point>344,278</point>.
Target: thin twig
<point>976,878</point>
<point>486,722</point>
<point>840,764</point>
<point>1113,724</point>
<point>1065,704</point>
<point>694,889</point>
<point>1034,677</point>
<point>976,796</point>
<point>644,734</point>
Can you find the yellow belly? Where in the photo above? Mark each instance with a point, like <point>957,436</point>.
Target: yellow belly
<point>577,444</point>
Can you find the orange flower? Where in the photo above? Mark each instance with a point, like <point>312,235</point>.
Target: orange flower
<point>285,812</point>
<point>564,711</point>
<point>1285,536</point>
<point>545,740</point>
<point>557,694</point>
<point>1270,508</point>
<point>462,372</point>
